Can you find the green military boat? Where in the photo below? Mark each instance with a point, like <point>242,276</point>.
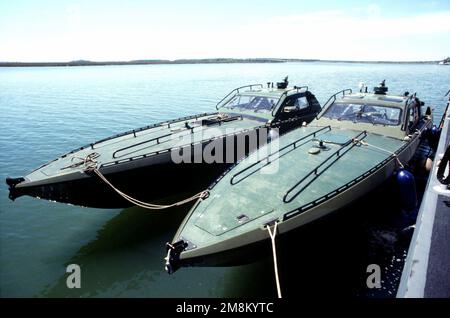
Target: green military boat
<point>158,161</point>
<point>356,143</point>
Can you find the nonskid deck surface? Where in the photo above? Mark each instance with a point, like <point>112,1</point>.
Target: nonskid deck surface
<point>139,143</point>
<point>247,198</point>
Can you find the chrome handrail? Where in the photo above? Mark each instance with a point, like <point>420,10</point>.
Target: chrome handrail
<point>333,98</point>
<point>338,153</point>
<point>236,91</point>
<point>313,134</point>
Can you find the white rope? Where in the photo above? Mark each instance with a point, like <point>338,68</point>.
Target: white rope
<point>362,142</point>
<point>90,163</point>
<point>167,258</point>
<point>146,205</point>
<point>274,252</point>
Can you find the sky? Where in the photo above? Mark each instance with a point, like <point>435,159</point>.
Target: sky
<point>388,30</point>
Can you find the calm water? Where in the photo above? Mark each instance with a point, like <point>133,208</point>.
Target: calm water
<point>48,111</point>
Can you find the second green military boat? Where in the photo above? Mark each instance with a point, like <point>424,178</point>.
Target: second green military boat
<point>356,143</point>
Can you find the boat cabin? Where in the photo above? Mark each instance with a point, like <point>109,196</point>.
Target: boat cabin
<point>271,104</point>
<point>392,115</point>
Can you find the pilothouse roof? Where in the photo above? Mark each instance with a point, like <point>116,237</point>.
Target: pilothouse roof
<point>379,97</point>
<point>371,98</point>
<point>272,92</point>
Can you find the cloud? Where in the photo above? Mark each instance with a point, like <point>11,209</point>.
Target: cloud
<point>344,35</point>
<point>340,35</point>
<point>73,16</point>
<point>338,23</point>
<point>373,10</point>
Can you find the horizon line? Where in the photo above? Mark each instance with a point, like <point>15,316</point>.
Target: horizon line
<point>209,60</point>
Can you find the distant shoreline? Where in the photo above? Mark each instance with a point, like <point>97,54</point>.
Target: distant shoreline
<point>196,61</point>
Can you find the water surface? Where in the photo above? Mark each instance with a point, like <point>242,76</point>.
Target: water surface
<point>47,111</point>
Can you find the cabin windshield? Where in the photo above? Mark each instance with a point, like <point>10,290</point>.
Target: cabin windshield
<point>261,104</point>
<point>365,113</point>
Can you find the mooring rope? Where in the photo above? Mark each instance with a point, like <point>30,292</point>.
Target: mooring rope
<point>365,143</point>
<point>274,252</point>
<point>89,160</point>
<point>91,166</point>
<point>147,205</point>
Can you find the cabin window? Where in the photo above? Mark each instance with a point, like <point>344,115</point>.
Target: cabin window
<point>301,102</point>
<point>366,113</point>
<point>260,104</point>
<point>413,115</point>
<point>297,103</point>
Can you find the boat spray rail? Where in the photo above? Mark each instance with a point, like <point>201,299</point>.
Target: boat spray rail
<point>134,131</point>
<point>294,144</point>
<point>284,95</point>
<point>155,153</point>
<point>157,139</point>
<point>346,186</point>
<point>188,129</point>
<point>235,91</point>
<point>129,132</point>
<point>332,99</point>
<point>192,144</point>
<point>343,149</point>
<point>268,125</point>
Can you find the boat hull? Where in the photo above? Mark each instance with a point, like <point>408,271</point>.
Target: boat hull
<point>149,179</point>
<point>156,182</point>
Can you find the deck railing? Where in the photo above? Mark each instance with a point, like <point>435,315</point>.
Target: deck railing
<point>234,92</point>
<point>332,99</point>
<point>316,173</point>
<point>294,144</point>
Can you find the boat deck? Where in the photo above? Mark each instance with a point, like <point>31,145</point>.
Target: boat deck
<point>146,142</point>
<point>427,267</point>
<point>253,205</point>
